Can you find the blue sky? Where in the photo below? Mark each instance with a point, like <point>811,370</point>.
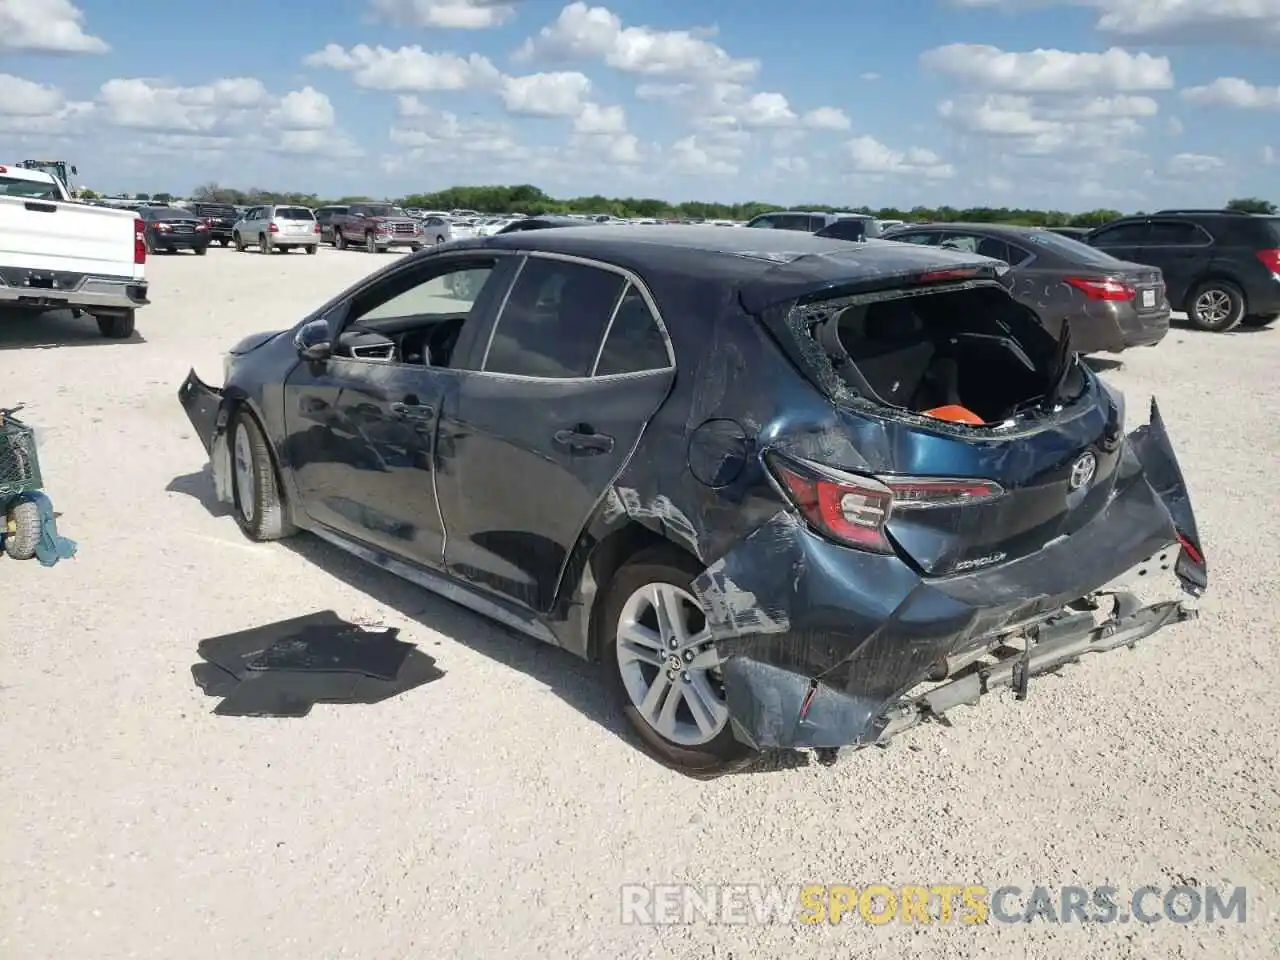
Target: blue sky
<point>1069,104</point>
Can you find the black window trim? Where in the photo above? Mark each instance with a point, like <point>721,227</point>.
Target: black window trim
<point>623,272</point>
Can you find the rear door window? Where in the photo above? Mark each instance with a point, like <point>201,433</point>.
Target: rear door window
<point>924,239</point>
<point>554,319</point>
<point>1124,234</point>
<point>635,343</point>
<point>1178,233</point>
<point>761,222</point>
<point>792,221</point>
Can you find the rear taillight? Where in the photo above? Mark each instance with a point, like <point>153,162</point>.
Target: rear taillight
<point>139,241</point>
<point>317,228</point>
<point>855,510</point>
<point>201,226</point>
<point>1102,288</point>
<point>1271,258</point>
<point>273,228</point>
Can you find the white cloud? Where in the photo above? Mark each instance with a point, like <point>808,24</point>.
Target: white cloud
<point>597,119</point>
<point>22,98</point>
<point>1234,92</point>
<point>304,110</point>
<point>406,68</point>
<point>766,110</point>
<point>142,104</point>
<point>1249,22</point>
<point>444,14</point>
<point>1270,156</point>
<point>596,33</point>
<point>698,157</point>
<point>827,118</point>
<point>1043,126</point>
<point>559,94</point>
<point>1050,71</point>
<point>870,156</point>
<point>46,26</point>
<point>1193,164</point>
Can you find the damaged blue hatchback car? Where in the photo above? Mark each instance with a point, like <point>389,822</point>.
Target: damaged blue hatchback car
<point>792,492</point>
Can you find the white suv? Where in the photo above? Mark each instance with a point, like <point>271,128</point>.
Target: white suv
<point>277,227</point>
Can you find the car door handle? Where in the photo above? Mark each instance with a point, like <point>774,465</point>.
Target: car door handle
<point>582,441</point>
<point>413,411</point>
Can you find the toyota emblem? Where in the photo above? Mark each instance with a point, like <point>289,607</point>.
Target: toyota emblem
<point>1082,472</point>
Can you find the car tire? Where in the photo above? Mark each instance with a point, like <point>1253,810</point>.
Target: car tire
<point>264,245</point>
<point>239,241</point>
<point>116,326</point>
<point>1259,320</point>
<point>225,243</point>
<point>339,240</point>
<point>703,753</point>
<point>311,250</point>
<point>1216,306</point>
<point>370,245</point>
<point>201,251</point>
<point>24,522</point>
<point>255,488</point>
<point>415,247</point>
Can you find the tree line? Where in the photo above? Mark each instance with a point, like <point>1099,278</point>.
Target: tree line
<point>525,198</point>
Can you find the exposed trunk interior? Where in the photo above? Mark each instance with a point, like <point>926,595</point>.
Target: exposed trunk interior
<point>970,347</point>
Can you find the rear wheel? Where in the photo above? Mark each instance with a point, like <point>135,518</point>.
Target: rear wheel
<point>259,508</point>
<point>201,251</point>
<point>1260,320</point>
<point>116,326</point>
<point>1217,306</point>
<point>654,639</point>
<point>311,250</point>
<point>22,534</point>
<point>264,244</point>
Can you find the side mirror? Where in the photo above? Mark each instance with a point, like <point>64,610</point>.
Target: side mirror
<point>75,172</point>
<point>313,342</point>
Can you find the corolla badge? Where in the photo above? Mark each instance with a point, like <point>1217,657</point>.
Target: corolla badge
<point>1082,472</point>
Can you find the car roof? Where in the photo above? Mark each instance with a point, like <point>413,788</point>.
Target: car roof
<point>768,266</point>
<point>995,229</point>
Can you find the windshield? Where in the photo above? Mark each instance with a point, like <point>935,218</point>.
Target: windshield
<point>33,189</point>
<point>386,211</point>
<point>294,213</point>
<point>167,213</point>
<point>214,210</point>
<point>1067,247</point>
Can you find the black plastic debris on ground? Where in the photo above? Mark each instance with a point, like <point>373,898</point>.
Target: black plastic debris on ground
<point>283,669</point>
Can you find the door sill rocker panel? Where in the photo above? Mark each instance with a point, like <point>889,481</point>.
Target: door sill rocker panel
<point>441,585</point>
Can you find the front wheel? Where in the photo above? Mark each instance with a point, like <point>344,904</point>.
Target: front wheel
<point>259,508</point>
<point>370,245</point>
<point>23,533</point>
<point>240,247</point>
<point>1216,307</point>
<point>654,638</point>
<point>116,326</point>
<point>1257,320</point>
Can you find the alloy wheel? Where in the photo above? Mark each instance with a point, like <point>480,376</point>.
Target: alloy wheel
<point>246,478</point>
<point>1214,306</point>
<point>669,665</point>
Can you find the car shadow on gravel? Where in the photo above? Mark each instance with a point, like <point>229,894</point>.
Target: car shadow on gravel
<point>58,328</point>
<point>578,683</point>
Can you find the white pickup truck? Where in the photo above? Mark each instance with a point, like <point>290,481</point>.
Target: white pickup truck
<point>57,254</point>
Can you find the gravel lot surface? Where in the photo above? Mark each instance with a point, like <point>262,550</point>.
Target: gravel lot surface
<point>497,811</point>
